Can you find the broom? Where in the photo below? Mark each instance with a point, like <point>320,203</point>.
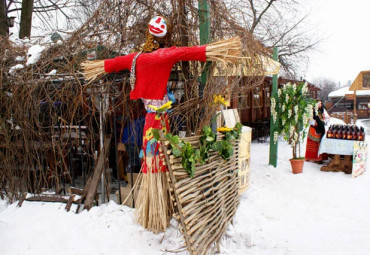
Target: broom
<point>225,51</point>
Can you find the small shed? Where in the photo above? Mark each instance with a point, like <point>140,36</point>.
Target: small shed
<point>358,94</point>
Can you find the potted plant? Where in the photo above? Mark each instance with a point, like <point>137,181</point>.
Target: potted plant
<point>294,107</point>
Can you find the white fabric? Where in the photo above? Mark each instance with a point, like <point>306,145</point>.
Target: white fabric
<point>336,146</point>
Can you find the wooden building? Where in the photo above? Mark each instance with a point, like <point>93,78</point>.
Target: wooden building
<point>358,94</point>
<point>254,106</point>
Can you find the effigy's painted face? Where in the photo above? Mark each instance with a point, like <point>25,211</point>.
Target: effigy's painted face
<point>158,26</point>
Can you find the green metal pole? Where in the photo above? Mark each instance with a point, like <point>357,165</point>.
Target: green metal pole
<point>205,37</point>
<point>274,146</point>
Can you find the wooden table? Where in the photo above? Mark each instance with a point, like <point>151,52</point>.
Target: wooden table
<point>338,147</point>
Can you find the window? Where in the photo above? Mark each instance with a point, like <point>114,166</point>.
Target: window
<point>366,80</point>
<point>244,102</point>
<point>362,106</point>
<point>267,96</point>
<point>257,98</point>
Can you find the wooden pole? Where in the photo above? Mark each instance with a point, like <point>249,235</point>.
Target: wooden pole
<point>274,146</point>
<point>354,103</point>
<point>185,64</point>
<point>205,37</point>
<point>98,173</point>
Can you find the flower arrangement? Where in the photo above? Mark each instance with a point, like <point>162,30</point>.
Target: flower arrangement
<point>220,100</point>
<point>294,107</point>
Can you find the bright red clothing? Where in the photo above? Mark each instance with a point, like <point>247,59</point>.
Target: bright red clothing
<point>153,69</point>
<point>313,145</point>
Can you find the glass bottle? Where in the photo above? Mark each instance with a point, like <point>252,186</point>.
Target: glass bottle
<point>340,132</point>
<point>335,131</point>
<point>344,132</point>
<point>360,134</point>
<point>329,134</point>
<point>349,133</point>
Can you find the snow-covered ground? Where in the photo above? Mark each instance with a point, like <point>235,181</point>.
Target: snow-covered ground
<point>281,213</point>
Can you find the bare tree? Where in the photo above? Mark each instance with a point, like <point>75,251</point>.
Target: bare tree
<point>276,24</point>
<point>26,19</point>
<point>47,13</point>
<point>4,29</point>
<point>326,85</point>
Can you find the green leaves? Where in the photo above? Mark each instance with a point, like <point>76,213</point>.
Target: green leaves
<point>156,134</point>
<point>191,157</point>
<point>294,108</point>
<point>224,148</point>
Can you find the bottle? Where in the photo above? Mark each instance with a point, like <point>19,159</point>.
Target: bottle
<point>340,132</point>
<point>344,132</point>
<point>354,136</point>
<point>329,134</point>
<point>361,135</point>
<point>335,131</point>
<point>349,133</point>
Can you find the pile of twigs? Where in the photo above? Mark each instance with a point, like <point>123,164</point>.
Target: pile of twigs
<point>44,115</point>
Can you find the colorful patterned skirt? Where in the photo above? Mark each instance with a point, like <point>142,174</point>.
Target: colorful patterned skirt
<point>153,160</point>
<point>312,146</point>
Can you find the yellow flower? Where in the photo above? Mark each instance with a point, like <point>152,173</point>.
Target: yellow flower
<point>224,129</point>
<point>218,99</point>
<point>162,108</point>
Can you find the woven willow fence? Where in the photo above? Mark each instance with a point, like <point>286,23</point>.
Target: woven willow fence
<point>206,203</point>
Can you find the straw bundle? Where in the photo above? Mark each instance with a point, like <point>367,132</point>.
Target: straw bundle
<point>225,51</point>
<point>154,208</point>
<point>93,69</point>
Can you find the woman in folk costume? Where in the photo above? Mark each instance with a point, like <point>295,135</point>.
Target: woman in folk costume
<point>315,133</point>
<point>150,70</point>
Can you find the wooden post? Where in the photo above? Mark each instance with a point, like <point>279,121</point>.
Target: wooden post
<point>205,37</point>
<point>354,102</point>
<point>273,126</point>
<point>98,169</point>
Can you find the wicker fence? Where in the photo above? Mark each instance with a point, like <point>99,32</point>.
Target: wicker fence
<point>206,203</point>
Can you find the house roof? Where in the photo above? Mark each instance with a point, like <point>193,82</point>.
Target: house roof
<point>358,82</point>
<point>345,91</point>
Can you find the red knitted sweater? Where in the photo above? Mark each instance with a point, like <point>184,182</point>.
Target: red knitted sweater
<point>153,69</point>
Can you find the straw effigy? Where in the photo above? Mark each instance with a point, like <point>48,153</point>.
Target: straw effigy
<point>154,208</point>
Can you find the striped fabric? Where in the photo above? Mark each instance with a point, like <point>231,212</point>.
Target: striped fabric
<point>312,147</point>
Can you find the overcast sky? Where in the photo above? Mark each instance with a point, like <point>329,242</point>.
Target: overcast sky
<point>345,51</point>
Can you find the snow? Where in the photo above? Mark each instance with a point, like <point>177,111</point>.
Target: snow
<point>20,58</point>
<point>16,67</point>
<point>34,54</point>
<point>281,213</point>
<point>345,91</point>
<point>52,72</point>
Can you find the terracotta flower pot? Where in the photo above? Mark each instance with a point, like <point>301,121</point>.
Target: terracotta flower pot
<point>297,165</point>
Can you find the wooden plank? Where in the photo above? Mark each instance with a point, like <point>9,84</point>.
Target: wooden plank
<point>23,197</point>
<point>97,174</point>
<point>77,191</point>
<point>41,198</point>
<point>69,202</point>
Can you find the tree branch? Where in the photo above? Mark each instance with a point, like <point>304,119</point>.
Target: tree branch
<point>257,21</point>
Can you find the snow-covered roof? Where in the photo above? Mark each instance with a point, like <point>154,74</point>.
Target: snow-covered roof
<point>345,91</point>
